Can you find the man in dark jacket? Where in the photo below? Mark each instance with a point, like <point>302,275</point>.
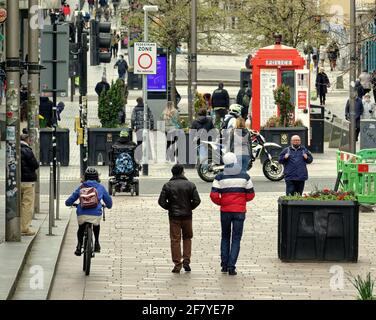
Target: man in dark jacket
<point>137,124</point>
<point>102,86</point>
<point>220,102</point>
<point>179,196</point>
<point>29,165</point>
<point>359,109</point>
<point>203,122</point>
<point>137,118</point>
<point>122,67</point>
<point>295,159</point>
<point>322,84</point>
<point>243,98</point>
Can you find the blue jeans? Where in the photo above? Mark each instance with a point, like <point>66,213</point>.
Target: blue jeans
<point>294,186</point>
<point>122,76</point>
<point>230,253</point>
<point>244,160</point>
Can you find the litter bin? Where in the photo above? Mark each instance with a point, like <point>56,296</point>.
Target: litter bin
<point>317,129</point>
<point>62,149</point>
<point>134,81</point>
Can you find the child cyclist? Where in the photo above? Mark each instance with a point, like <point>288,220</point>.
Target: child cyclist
<point>92,215</point>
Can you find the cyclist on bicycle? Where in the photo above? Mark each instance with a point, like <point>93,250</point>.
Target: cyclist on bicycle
<point>92,215</point>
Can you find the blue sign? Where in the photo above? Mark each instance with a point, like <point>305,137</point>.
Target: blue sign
<point>158,82</point>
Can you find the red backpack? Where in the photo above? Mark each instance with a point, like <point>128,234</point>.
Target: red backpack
<point>88,197</point>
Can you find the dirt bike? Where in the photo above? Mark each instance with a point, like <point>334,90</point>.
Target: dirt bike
<point>207,168</point>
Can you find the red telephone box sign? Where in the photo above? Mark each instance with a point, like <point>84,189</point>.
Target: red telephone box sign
<point>302,99</point>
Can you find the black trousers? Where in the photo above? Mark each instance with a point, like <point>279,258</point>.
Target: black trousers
<point>294,186</point>
<point>322,98</point>
<point>81,231</point>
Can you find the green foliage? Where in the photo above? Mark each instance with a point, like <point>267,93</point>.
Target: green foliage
<point>323,195</point>
<point>364,287</point>
<point>110,104</point>
<point>199,102</point>
<point>286,109</point>
<point>298,21</point>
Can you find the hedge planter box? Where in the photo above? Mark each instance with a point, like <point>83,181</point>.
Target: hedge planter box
<point>62,148</point>
<point>100,141</point>
<point>313,230</point>
<point>282,136</point>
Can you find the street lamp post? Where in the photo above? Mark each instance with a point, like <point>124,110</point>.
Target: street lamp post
<point>145,140</point>
<point>193,57</point>
<point>352,133</point>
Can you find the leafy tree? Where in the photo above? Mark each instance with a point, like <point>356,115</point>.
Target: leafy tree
<point>298,21</point>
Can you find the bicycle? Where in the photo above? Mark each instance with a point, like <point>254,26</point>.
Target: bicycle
<point>88,243</point>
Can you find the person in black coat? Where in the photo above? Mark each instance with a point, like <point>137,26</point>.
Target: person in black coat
<point>359,109</point>
<point>322,84</point>
<point>45,110</point>
<point>203,122</point>
<point>179,196</point>
<point>29,165</point>
<point>102,86</point>
<point>220,102</point>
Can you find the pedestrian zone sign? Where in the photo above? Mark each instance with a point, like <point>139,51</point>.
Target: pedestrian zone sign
<point>145,58</point>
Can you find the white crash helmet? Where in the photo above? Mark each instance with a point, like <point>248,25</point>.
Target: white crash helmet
<point>236,108</point>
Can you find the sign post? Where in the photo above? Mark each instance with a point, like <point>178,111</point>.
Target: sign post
<point>145,62</point>
<point>145,58</point>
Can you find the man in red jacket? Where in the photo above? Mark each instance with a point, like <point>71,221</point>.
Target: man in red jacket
<point>231,190</point>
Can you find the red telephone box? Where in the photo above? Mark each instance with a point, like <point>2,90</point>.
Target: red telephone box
<point>272,66</point>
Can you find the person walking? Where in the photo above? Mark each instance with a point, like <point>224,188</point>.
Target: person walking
<point>220,102</point>
<point>29,165</point>
<point>122,67</point>
<point>231,190</point>
<point>170,116</point>
<point>203,124</point>
<point>365,81</point>
<point>369,107</point>
<point>180,197</point>
<point>359,110</point>
<point>243,98</point>
<point>137,124</point>
<point>322,55</point>
<point>295,159</point>
<point>322,84</point>
<point>373,83</point>
<point>333,54</point>
<point>101,86</point>
<point>241,144</point>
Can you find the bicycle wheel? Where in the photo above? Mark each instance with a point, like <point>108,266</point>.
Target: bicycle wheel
<point>89,248</point>
<point>84,246</point>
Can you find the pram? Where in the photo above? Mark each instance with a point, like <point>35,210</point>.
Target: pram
<point>123,171</point>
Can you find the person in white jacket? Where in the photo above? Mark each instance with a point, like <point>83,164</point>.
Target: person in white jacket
<point>369,107</point>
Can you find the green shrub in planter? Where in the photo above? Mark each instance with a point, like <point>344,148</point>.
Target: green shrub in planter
<point>111,103</point>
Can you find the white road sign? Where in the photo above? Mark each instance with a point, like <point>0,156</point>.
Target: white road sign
<point>145,58</point>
